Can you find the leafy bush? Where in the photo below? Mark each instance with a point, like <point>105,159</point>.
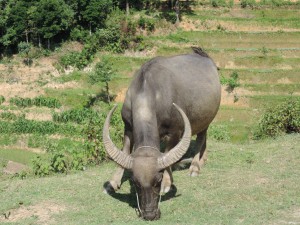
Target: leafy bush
<point>146,23</point>
<point>284,118</point>
<point>41,167</point>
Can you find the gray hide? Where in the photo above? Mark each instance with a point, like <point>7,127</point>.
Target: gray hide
<point>190,81</point>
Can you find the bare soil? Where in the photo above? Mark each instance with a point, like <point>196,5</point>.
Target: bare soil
<point>42,211</point>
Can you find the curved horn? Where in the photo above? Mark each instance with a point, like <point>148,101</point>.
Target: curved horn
<point>118,156</point>
<point>180,149</point>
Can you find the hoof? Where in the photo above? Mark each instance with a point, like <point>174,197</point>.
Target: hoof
<point>194,174</point>
<point>108,188</point>
<point>194,171</point>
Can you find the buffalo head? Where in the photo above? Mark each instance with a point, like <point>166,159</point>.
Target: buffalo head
<point>147,164</point>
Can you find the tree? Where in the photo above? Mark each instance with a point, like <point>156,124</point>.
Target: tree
<point>96,12</point>
<point>24,49</point>
<point>15,20</point>
<point>104,73</point>
<point>52,18</point>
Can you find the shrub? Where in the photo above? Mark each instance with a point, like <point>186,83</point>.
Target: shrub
<point>284,118</point>
<point>231,82</point>
<point>41,167</point>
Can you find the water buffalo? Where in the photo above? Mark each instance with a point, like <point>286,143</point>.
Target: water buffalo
<point>170,99</point>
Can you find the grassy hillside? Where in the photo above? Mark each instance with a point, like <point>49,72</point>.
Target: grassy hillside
<point>245,181</point>
<point>257,183</point>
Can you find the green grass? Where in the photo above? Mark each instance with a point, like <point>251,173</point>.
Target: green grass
<point>72,97</point>
<point>271,62</point>
<point>8,139</point>
<point>218,39</point>
<point>17,155</point>
<point>273,88</point>
<point>255,183</point>
<point>265,101</point>
<point>264,76</point>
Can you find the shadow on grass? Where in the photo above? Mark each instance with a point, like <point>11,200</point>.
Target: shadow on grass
<point>130,198</point>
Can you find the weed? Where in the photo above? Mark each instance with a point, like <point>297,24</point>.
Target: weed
<point>231,82</point>
<point>2,99</point>
<point>219,132</point>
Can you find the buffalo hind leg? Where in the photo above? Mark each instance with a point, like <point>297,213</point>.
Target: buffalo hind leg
<point>115,183</point>
<point>201,154</point>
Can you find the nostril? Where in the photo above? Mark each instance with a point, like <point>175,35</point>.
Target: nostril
<point>151,216</point>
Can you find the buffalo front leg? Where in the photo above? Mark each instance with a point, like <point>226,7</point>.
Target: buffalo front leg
<point>201,154</point>
<point>115,183</point>
<point>167,176</point>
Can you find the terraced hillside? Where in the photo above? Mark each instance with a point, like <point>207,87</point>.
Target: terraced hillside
<point>51,122</point>
<point>261,45</point>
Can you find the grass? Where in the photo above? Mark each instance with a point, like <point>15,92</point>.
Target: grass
<point>17,155</point>
<point>218,39</point>
<point>273,88</point>
<point>264,76</point>
<point>72,97</point>
<point>256,183</point>
<point>244,182</point>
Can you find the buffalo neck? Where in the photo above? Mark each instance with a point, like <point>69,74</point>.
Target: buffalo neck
<point>145,129</point>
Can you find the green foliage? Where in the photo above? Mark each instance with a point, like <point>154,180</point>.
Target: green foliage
<point>7,139</point>
<point>284,118</point>
<point>41,167</point>
<point>74,76</point>
<point>24,126</point>
<point>2,99</point>
<point>104,73</point>
<point>52,17</point>
<point>96,12</point>
<point>37,101</point>
<point>218,3</point>
<point>231,82</point>
<point>170,16</point>
<point>24,49</point>
<point>74,115</point>
<point>8,116</point>
<point>219,132</point>
<point>81,59</point>
<point>248,3</point>
<point>37,141</point>
<point>146,23</point>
